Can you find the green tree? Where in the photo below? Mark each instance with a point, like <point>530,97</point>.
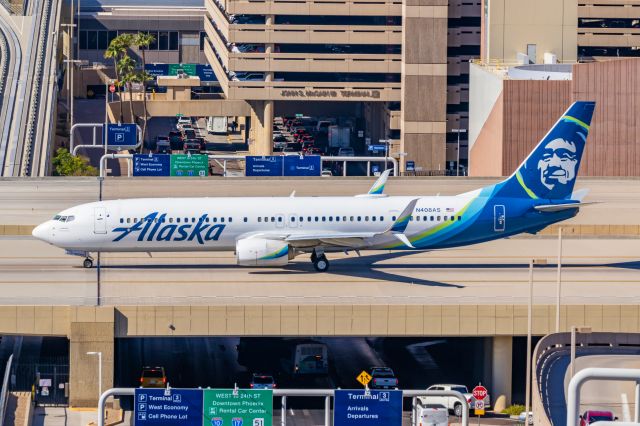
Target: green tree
<point>116,49</point>
<point>143,41</point>
<point>127,70</point>
<point>65,164</point>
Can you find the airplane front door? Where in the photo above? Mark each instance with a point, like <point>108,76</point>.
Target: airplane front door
<point>99,220</point>
<point>499,218</point>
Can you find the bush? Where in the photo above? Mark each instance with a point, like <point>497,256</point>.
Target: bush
<point>514,410</point>
<point>65,164</point>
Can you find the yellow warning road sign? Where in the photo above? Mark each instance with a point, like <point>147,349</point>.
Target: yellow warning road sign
<point>364,378</point>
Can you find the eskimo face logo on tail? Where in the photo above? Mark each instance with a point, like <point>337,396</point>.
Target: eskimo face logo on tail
<point>154,227</point>
<point>558,164</point>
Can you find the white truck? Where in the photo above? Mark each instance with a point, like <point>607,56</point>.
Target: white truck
<point>217,125</point>
<point>451,403</point>
<point>339,137</point>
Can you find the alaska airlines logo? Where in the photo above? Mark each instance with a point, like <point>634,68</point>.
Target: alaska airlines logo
<point>150,229</point>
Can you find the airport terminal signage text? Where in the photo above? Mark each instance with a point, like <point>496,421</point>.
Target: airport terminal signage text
<point>155,407</point>
<point>122,135</point>
<point>333,94</point>
<point>245,408</point>
<point>170,165</point>
<point>197,407</point>
<point>373,408</point>
<point>205,72</point>
<point>283,165</point>
<point>151,165</point>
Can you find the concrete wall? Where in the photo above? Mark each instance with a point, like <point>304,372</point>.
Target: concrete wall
<point>512,24</point>
<point>424,83</point>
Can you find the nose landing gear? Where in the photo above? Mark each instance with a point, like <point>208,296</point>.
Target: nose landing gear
<point>88,263</point>
<point>320,261</point>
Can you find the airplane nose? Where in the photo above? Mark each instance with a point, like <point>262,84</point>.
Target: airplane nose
<point>42,232</point>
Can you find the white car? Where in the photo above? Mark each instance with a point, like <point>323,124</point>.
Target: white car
<point>452,404</point>
<point>183,121</point>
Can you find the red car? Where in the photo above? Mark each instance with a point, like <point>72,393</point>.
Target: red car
<point>592,416</point>
<point>306,139</point>
<point>313,151</point>
<point>300,131</point>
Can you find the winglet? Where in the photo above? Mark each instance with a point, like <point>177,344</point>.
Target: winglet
<point>403,219</point>
<point>378,186</point>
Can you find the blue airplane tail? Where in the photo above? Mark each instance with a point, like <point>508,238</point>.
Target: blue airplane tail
<point>550,171</point>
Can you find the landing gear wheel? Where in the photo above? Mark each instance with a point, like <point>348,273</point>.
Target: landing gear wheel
<point>321,263</point>
<point>88,263</point>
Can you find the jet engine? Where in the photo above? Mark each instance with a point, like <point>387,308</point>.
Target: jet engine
<point>262,252</point>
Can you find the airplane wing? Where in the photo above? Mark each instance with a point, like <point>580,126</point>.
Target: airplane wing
<point>345,239</point>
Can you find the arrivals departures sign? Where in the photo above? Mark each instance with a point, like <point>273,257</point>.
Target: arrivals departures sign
<point>370,408</point>
<point>209,407</point>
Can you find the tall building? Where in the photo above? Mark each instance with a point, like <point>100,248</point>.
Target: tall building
<point>385,61</point>
<point>539,57</point>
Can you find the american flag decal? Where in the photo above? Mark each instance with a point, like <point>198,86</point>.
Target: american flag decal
<point>449,210</point>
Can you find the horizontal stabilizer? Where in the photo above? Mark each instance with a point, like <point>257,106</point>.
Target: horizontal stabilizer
<point>552,208</point>
<point>404,240</point>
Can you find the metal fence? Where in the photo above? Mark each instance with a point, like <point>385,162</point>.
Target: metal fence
<point>48,380</point>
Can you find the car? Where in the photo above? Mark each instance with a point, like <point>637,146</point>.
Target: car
<point>326,173</point>
<point>306,139</point>
<point>298,132</point>
<point>312,150</point>
<point>592,416</point>
<point>382,378</point>
<point>189,133</point>
<point>524,417</point>
<point>163,146</point>
<point>183,121</point>
<point>452,404</point>
<point>191,146</point>
<point>432,415</point>
<point>153,377</point>
<point>262,381</point>
<point>176,140</point>
<point>346,152</point>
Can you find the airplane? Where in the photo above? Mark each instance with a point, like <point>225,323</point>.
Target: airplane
<point>271,231</point>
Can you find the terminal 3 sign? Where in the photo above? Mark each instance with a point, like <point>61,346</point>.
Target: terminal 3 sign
<point>330,93</point>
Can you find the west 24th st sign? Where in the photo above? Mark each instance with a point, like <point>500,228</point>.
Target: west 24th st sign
<point>208,407</point>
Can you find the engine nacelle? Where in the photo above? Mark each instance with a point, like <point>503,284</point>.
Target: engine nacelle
<point>262,252</point>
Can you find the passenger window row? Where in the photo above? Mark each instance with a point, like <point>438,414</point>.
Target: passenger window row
<point>280,219</point>
<point>179,220</point>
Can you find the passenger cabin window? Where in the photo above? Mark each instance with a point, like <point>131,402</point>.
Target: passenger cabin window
<point>245,220</point>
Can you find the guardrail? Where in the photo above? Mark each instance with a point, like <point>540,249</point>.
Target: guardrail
<point>225,158</point>
<point>4,395</point>
<point>326,393</point>
<point>589,374</point>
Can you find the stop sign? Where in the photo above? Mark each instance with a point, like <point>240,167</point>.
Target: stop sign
<point>479,392</point>
<point>112,88</point>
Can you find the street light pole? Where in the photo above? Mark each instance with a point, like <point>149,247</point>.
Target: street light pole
<point>559,285</point>
<point>530,332</point>
<point>99,354</point>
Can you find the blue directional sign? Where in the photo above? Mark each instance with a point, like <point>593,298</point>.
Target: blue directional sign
<point>122,135</point>
<point>410,166</point>
<point>205,72</point>
<point>157,70</point>
<point>264,166</point>
<point>308,165</point>
<point>151,165</point>
<point>378,408</point>
<point>161,407</point>
<point>377,148</point>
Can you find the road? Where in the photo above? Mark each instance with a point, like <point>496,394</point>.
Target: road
<point>596,271</point>
<point>617,397</point>
<point>31,201</point>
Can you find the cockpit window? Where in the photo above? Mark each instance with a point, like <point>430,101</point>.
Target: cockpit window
<point>56,217</point>
<point>70,218</point>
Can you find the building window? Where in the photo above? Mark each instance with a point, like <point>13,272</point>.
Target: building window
<point>165,40</point>
<point>96,39</point>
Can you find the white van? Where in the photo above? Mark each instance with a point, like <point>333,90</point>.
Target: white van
<point>431,415</point>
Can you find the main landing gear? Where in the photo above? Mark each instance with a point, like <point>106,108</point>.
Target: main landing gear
<point>320,262</point>
<point>88,263</point>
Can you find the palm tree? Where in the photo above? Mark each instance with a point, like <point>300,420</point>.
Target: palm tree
<point>127,70</point>
<point>143,41</point>
<point>114,51</point>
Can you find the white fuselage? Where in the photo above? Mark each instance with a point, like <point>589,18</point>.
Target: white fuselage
<point>190,224</point>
